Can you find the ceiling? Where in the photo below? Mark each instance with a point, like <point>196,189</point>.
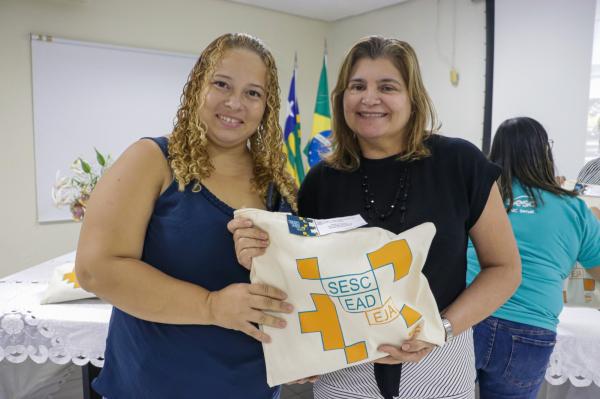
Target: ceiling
<point>325,10</point>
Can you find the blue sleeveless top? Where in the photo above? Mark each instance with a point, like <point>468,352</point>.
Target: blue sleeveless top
<point>186,238</point>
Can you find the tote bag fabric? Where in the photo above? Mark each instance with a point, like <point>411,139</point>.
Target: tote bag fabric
<point>352,291</point>
<point>63,286</point>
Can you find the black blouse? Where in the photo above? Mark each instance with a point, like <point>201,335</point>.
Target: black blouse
<point>450,188</point>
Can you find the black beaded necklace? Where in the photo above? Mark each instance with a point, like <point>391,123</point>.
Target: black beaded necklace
<point>399,201</point>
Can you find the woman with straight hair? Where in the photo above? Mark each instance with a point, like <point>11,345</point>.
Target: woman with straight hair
<point>554,229</point>
<point>154,242</point>
<point>390,166</point>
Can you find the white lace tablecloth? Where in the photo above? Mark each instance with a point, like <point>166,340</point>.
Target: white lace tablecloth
<point>76,331</point>
<point>61,333</point>
<point>576,356</point>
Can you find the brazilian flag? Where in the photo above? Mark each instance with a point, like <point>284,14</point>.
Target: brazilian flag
<point>292,134</point>
<point>319,143</point>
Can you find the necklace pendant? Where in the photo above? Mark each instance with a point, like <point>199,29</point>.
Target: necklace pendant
<point>399,200</point>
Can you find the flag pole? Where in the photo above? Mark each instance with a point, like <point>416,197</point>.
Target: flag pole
<point>325,51</point>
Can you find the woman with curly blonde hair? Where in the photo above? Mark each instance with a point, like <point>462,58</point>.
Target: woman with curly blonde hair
<point>155,244</point>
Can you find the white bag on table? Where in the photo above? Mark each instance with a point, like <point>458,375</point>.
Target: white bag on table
<point>63,286</point>
<point>352,291</point>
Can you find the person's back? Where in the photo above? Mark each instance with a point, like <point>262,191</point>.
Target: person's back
<point>552,234</point>
<point>553,230</point>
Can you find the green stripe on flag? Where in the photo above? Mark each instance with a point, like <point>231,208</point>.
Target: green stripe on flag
<point>322,104</point>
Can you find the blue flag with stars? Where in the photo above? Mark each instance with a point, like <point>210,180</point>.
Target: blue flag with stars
<point>292,134</point>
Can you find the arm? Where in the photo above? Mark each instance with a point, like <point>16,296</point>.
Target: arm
<point>588,249</point>
<point>110,247</point>
<point>500,276</point>
<point>500,263</point>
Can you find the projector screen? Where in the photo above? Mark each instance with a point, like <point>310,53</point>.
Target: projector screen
<point>89,95</point>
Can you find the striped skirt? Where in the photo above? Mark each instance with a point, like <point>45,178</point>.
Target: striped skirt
<point>447,372</point>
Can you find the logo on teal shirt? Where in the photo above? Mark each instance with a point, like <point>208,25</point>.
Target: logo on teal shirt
<point>523,204</point>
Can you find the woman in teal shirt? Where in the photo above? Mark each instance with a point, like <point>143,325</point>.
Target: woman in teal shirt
<point>554,229</point>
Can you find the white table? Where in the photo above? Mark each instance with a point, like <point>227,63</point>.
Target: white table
<point>60,336</point>
<point>574,370</point>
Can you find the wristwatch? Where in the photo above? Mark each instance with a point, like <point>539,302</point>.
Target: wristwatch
<point>448,328</point>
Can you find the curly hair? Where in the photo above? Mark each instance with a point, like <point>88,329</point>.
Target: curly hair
<point>423,120</point>
<point>188,154</point>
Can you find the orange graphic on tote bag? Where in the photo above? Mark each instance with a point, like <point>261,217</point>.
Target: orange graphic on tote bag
<point>356,293</point>
<point>71,278</point>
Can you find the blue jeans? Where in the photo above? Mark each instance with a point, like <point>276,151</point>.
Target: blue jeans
<point>511,358</point>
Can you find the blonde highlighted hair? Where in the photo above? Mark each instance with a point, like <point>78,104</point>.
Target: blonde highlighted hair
<point>188,155</point>
<point>423,120</point>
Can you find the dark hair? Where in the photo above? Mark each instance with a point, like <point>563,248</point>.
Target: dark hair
<point>522,149</point>
<point>345,153</point>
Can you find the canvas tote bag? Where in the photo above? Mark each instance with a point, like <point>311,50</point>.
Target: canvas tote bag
<point>63,286</point>
<point>352,291</point>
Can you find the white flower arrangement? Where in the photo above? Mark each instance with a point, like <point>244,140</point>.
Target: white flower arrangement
<point>74,191</point>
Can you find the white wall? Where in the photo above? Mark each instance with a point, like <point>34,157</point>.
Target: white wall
<point>188,25</point>
<point>460,108</point>
<point>543,53</point>
<point>177,25</point>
